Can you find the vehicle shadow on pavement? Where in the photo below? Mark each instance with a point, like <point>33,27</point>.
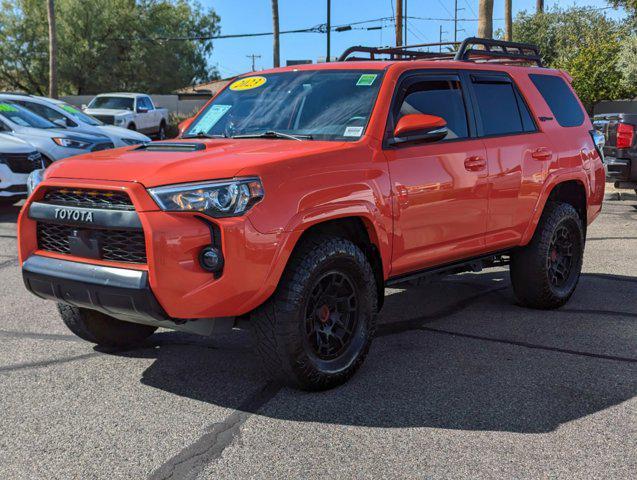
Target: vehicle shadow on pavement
<point>9,213</point>
<point>454,354</point>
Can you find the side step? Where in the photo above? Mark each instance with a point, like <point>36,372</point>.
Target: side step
<point>476,264</point>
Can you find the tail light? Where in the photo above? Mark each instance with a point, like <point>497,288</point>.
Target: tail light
<point>625,134</point>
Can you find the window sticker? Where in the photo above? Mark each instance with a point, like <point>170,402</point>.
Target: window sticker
<point>70,109</point>
<point>248,83</point>
<point>5,107</point>
<point>353,131</point>
<point>210,118</point>
<point>366,80</point>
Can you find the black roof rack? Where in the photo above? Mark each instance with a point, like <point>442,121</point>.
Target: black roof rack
<point>472,49</point>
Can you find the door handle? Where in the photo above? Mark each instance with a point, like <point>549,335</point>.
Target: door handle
<point>402,194</point>
<point>542,153</point>
<point>475,164</point>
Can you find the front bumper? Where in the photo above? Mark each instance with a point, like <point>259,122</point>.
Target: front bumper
<point>12,184</point>
<point>253,261</point>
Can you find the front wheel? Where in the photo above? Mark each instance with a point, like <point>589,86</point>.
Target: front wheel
<point>102,329</point>
<point>315,331</point>
<point>545,273</point>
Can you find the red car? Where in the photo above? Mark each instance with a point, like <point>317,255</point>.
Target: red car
<point>297,194</point>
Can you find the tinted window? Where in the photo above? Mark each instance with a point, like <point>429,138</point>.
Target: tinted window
<point>499,107</point>
<point>116,103</point>
<point>560,99</point>
<point>442,98</point>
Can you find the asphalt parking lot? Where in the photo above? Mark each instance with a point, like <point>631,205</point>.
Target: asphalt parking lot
<point>460,382</point>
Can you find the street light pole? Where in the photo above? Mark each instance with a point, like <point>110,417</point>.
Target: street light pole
<point>329,28</point>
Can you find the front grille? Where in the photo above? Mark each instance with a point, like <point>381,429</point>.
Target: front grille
<point>22,162</point>
<point>74,197</point>
<point>116,245</point>
<point>102,146</point>
<point>110,119</point>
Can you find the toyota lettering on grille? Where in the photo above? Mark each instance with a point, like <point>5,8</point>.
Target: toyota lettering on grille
<point>73,214</point>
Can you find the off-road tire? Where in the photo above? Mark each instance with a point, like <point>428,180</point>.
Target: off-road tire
<point>283,343</point>
<point>530,271</point>
<point>101,329</point>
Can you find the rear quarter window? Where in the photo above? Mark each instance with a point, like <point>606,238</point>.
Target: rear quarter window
<point>560,99</point>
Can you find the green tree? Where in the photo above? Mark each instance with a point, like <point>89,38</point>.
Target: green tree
<point>107,45</point>
<point>582,42</point>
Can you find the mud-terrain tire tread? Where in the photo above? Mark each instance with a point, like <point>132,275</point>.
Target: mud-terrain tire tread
<point>101,329</point>
<point>275,323</point>
<point>528,265</point>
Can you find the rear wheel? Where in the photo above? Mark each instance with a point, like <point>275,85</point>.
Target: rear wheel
<point>161,133</point>
<point>315,331</point>
<point>545,273</point>
<point>101,329</point>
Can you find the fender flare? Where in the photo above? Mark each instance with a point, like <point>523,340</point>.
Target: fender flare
<point>550,183</point>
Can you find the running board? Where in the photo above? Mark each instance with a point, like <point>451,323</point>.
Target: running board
<point>476,264</point>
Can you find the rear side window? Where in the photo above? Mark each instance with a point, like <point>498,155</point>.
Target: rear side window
<point>501,108</point>
<point>560,99</point>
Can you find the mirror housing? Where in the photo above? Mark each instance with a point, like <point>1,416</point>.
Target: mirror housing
<point>419,127</point>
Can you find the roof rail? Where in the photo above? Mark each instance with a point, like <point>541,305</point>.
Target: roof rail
<point>472,49</point>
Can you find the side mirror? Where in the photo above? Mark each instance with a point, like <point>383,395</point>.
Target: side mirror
<point>184,125</point>
<point>84,106</point>
<point>419,127</point>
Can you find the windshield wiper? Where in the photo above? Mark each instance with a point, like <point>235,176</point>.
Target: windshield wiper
<point>273,134</point>
<point>203,135</point>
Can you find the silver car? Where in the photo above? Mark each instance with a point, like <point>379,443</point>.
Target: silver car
<point>53,142</point>
<point>68,117</point>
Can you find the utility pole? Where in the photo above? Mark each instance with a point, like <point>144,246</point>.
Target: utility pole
<point>329,28</point>
<point>405,17</point>
<point>276,59</point>
<point>399,23</point>
<point>253,57</point>
<point>53,51</point>
<point>455,21</point>
<point>440,38</point>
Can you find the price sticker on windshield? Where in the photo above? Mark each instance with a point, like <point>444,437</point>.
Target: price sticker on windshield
<point>248,83</point>
<point>5,107</point>
<point>210,118</point>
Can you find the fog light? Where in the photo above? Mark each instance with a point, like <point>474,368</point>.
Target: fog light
<point>211,259</point>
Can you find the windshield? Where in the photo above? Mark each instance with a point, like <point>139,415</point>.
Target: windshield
<point>23,117</point>
<point>320,104</point>
<point>81,116</point>
<point>115,103</point>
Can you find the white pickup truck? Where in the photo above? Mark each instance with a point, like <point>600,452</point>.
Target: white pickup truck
<point>134,111</point>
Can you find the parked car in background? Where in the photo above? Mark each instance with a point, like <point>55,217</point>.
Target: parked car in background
<point>53,142</point>
<point>17,160</point>
<point>620,151</point>
<point>134,111</point>
<point>69,117</point>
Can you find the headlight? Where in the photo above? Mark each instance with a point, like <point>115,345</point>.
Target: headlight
<point>132,141</point>
<point>34,179</point>
<point>70,143</point>
<point>119,121</point>
<point>217,199</point>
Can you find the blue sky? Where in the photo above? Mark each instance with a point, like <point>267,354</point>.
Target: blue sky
<point>250,16</point>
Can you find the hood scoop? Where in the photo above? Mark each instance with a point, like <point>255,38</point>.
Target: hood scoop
<point>172,147</point>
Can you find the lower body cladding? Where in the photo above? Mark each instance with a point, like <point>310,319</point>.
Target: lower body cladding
<point>121,293</point>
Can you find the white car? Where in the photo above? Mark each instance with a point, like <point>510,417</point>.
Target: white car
<point>17,160</point>
<point>69,117</point>
<point>135,111</point>
<point>53,142</point>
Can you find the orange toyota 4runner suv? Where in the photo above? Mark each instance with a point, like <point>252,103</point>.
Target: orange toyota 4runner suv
<point>297,194</point>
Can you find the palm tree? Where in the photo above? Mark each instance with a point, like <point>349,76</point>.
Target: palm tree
<point>485,19</point>
<point>53,51</point>
<point>539,6</point>
<point>508,21</point>
<point>275,20</point>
